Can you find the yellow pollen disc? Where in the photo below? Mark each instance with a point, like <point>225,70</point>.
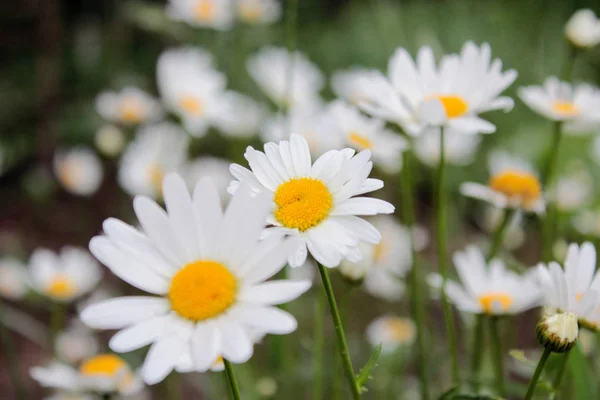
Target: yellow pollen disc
<point>103,364</point>
<point>455,106</point>
<point>191,105</point>
<point>517,184</point>
<point>204,10</point>
<point>361,141</point>
<point>565,108</point>
<point>202,290</point>
<point>302,203</point>
<point>490,302</point>
<point>61,288</point>
<point>579,296</point>
<point>381,250</point>
<point>250,12</point>
<point>131,110</point>
<point>402,331</point>
<point>156,175</point>
<point>67,173</point>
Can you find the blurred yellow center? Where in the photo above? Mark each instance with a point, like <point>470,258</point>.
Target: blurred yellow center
<point>402,331</point>
<point>361,141</point>
<point>67,173</point>
<point>565,108</point>
<point>517,184</point>
<point>131,110</point>
<point>380,250</point>
<point>156,175</point>
<point>579,296</point>
<point>493,303</point>
<point>204,10</point>
<point>250,12</point>
<point>202,290</point>
<point>61,287</point>
<point>191,105</point>
<point>103,364</point>
<point>455,106</point>
<point>302,203</point>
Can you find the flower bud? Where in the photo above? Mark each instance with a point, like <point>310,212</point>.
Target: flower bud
<point>559,332</point>
<point>583,29</point>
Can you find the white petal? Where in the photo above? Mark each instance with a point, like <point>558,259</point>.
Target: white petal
<point>209,214</point>
<point>271,263</point>
<point>162,358</point>
<point>300,154</point>
<point>139,335</point>
<point>267,319</point>
<point>274,292</point>
<point>363,206</point>
<point>123,311</point>
<point>236,344</point>
<point>206,345</point>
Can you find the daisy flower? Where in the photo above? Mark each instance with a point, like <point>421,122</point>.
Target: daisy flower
<point>156,150</point>
<point>458,149</point>
<point>354,85</point>
<point>587,222</point>
<point>109,140</point>
<point>78,170</point>
<point>583,28</point>
<point>488,288</point>
<point>560,101</point>
<point>574,289</point>
<point>361,132</point>
<point>238,115</point>
<point>315,201</point>
<point>289,80</point>
<point>13,279</point>
<point>130,106</point>
<point>215,14</point>
<point>205,271</point>
<point>190,87</point>
<point>217,169</point>
<point>391,332</point>
<point>76,343</point>
<point>65,276</point>
<point>513,184</point>
<point>452,95</point>
<point>258,11</point>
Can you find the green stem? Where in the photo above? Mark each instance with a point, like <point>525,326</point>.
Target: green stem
<point>498,354</point>
<point>477,353</point>
<point>537,373</point>
<point>318,347</point>
<point>418,303</point>
<point>339,332</point>
<point>500,233</point>
<point>561,371</point>
<point>57,321</point>
<point>233,385</point>
<point>549,172</point>
<point>442,231</point>
<point>12,361</point>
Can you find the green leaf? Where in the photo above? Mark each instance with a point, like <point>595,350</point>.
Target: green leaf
<point>585,385</point>
<point>365,373</point>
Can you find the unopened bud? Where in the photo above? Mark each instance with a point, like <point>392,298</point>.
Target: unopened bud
<point>559,332</point>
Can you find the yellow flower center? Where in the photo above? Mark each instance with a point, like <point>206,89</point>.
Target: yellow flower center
<point>67,173</point>
<point>492,302</point>
<point>202,290</point>
<point>205,10</point>
<point>455,106</point>
<point>579,296</point>
<point>381,250</point>
<point>191,105</point>
<point>131,110</point>
<point>102,364</point>
<point>402,330</point>
<point>517,184</point>
<point>250,12</point>
<point>156,175</point>
<point>302,203</point>
<point>360,141</point>
<point>61,287</point>
<point>565,108</point>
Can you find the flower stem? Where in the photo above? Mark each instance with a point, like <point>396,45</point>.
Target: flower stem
<point>500,233</point>
<point>418,303</point>
<point>561,371</point>
<point>538,371</point>
<point>233,385</point>
<point>318,347</point>
<point>57,321</point>
<point>12,361</point>
<point>442,231</point>
<point>498,355</point>
<point>339,332</point>
<point>477,353</point>
<point>549,171</point>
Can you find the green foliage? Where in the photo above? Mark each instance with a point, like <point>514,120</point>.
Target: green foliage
<point>365,373</point>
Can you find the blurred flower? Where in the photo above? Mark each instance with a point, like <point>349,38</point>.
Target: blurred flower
<point>583,28</point>
<point>315,201</point>
<point>488,288</point>
<point>78,170</point>
<point>361,132</point>
<point>215,14</point>
<point>559,332</point>
<point>560,101</point>
<point>452,95</point>
<point>587,222</point>
<point>458,149</point>
<point>208,269</point>
<point>238,115</point>
<point>216,169</point>
<point>102,373</point>
<point>156,150</point>
<point>76,343</point>
<point>266,386</point>
<point>13,278</point>
<point>560,249</point>
<point>391,332</point>
<point>258,11</point>
<point>354,85</point>
<point>66,395</point>
<point>513,184</point>
<point>289,80</point>
<point>109,140</point>
<point>130,106</point>
<point>572,191</point>
<point>576,288</point>
<point>515,233</point>
<point>190,87</point>
<point>64,276</point>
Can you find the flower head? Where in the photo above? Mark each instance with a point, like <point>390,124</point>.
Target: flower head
<point>76,343</point>
<point>558,331</point>
<point>583,28</point>
<point>572,191</point>
<point>391,332</point>
<point>238,115</point>
<point>130,106</point>
<point>258,11</point>
<point>354,85</point>
<point>109,140</point>
<point>215,14</point>
<point>78,170</point>
<point>13,279</point>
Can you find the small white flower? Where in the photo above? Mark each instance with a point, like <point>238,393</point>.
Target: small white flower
<point>215,14</point>
<point>76,343</point>
<point>316,201</point>
<point>64,276</point>
<point>109,140</point>
<point>238,115</point>
<point>289,80</point>
<point>458,149</point>
<point>216,169</point>
<point>583,28</point>
<point>258,11</point>
<point>155,151</point>
<point>78,170</point>
<point>130,106</point>
<point>206,270</point>
<point>391,332</point>
<point>572,191</point>
<point>354,85</point>
<point>587,222</point>
<point>13,278</point>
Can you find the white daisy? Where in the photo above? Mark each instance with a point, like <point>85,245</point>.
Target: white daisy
<point>354,85</point>
<point>190,87</point>
<point>13,279</point>
<point>560,101</point>
<point>574,289</point>
<point>488,288</point>
<point>216,169</point>
<point>458,149</point>
<point>215,14</point>
<point>258,11</point>
<point>155,151</point>
<point>315,201</point>
<point>64,276</point>
<point>572,191</point>
<point>130,106</point>
<point>587,222</point>
<point>238,115</point>
<point>583,28</point>
<point>391,332</point>
<point>451,95</point>
<point>361,132</point>
<point>513,184</point>
<point>206,269</point>
<point>109,140</point>
<point>289,80</point>
<point>76,343</point>
<point>78,170</point>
